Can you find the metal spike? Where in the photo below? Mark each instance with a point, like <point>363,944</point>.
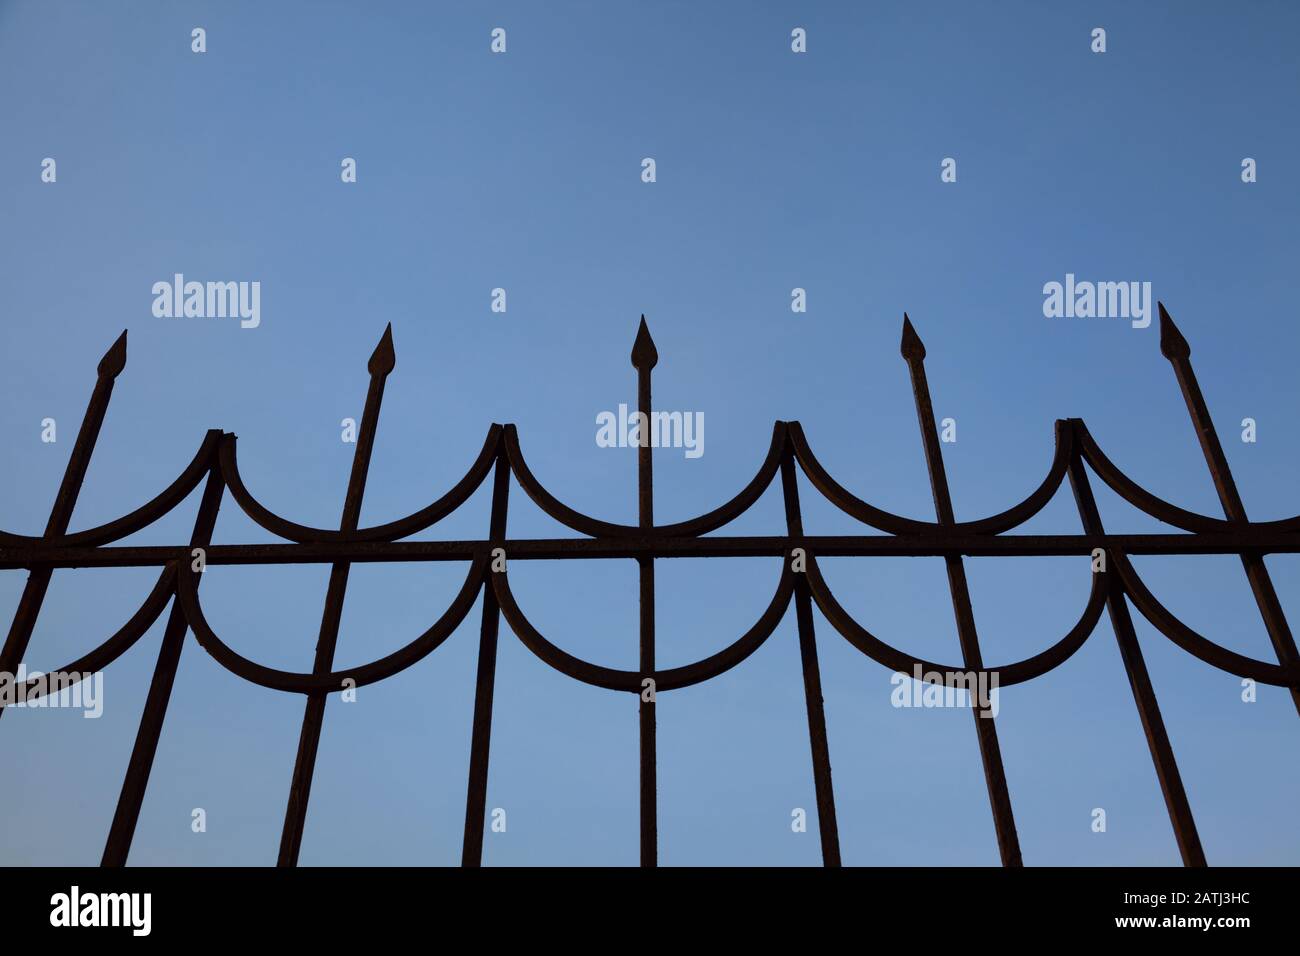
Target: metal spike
<point>383,358</point>
<point>911,346</point>
<point>114,360</point>
<point>1172,344</point>
<point>644,354</point>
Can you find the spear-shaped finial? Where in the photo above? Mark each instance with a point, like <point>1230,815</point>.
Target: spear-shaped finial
<point>644,358</point>
<point>1175,348</point>
<point>911,347</point>
<point>644,354</point>
<point>383,358</point>
<point>995,775</point>
<point>1172,344</point>
<point>381,363</point>
<point>74,473</point>
<point>114,360</point>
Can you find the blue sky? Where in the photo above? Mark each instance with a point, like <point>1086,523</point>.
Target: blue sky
<point>774,171</point>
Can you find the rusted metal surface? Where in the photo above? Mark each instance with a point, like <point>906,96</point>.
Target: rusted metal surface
<point>160,692</point>
<point>644,358</point>
<point>1144,695</point>
<point>995,774</point>
<point>800,583</point>
<point>295,816</point>
<point>481,739</point>
<point>828,826</point>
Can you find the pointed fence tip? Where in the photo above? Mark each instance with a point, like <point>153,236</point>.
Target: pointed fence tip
<point>114,359</point>
<point>383,358</point>
<point>911,347</point>
<point>1172,344</point>
<point>644,354</point>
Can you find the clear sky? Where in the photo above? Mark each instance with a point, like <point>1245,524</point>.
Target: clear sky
<point>522,171</point>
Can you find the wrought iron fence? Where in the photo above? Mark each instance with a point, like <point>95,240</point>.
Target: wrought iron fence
<point>1115,584</point>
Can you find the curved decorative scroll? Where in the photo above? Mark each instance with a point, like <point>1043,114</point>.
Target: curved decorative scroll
<point>1193,643</point>
<point>897,660</point>
<point>141,517</point>
<point>670,679</point>
<point>891,523</point>
<point>691,528</point>
<point>121,642</point>
<point>392,531</point>
<point>1158,508</point>
<point>394,663</point>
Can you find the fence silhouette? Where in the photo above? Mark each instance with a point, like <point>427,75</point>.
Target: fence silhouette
<point>215,466</point>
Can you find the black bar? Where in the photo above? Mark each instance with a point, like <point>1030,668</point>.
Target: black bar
<point>375,905</point>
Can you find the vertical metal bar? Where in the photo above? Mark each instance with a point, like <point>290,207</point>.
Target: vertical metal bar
<point>644,358</point>
<point>381,363</point>
<point>481,736</point>
<point>995,775</point>
<point>38,580</point>
<point>136,781</point>
<point>812,679</point>
<point>1175,348</point>
<point>1144,695</point>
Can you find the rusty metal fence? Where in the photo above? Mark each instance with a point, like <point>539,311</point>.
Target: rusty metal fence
<point>1115,584</point>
